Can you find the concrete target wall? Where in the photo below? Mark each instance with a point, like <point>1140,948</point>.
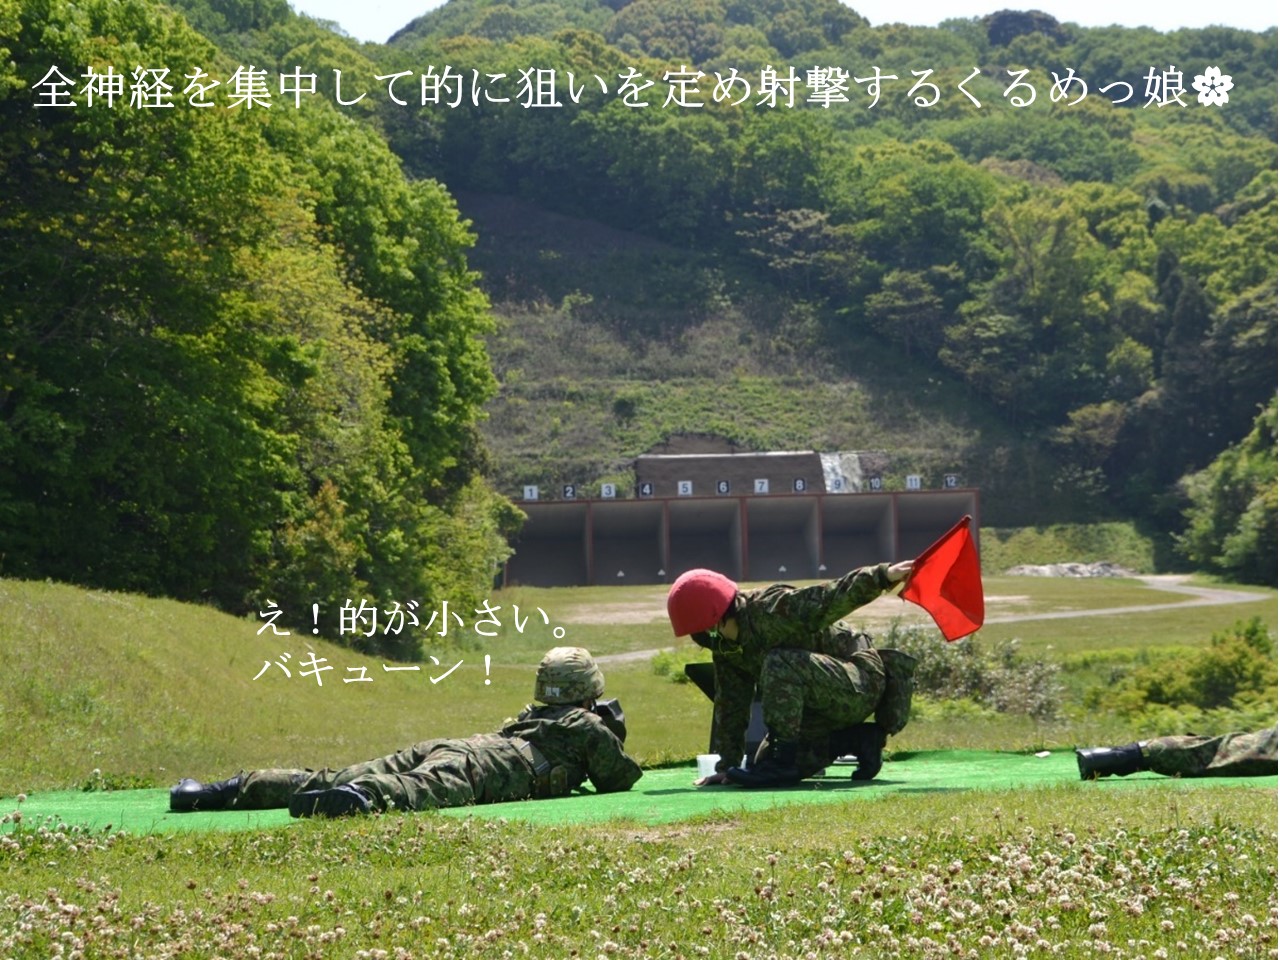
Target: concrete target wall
<point>789,536</point>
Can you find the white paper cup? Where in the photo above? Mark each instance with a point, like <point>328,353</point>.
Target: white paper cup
<point>707,764</point>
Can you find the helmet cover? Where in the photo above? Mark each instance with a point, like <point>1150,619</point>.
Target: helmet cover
<point>567,675</point>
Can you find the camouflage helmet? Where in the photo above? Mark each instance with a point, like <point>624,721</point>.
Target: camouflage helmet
<point>567,675</point>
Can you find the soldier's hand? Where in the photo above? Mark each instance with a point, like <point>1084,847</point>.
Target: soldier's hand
<point>900,571</point>
<point>711,780</point>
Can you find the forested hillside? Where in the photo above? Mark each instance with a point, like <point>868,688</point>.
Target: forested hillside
<point>245,356</point>
<point>1032,253</point>
<point>241,358</point>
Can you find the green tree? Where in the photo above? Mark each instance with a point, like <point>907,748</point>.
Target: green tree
<point>908,310</point>
<point>1231,519</point>
<point>1074,265</point>
<point>809,257</point>
<point>912,206</point>
<point>239,353</point>
<point>1074,145</point>
<point>990,351</point>
<point>688,32</point>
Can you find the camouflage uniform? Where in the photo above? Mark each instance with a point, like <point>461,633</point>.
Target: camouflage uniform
<point>815,674</point>
<point>1229,755</point>
<point>547,751</point>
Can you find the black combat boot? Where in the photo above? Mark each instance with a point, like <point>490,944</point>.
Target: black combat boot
<point>868,747</point>
<point>842,742</point>
<point>191,795</point>
<point>1095,762</point>
<point>339,802</point>
<point>776,768</point>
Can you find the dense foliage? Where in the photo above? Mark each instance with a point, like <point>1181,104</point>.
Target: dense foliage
<point>1232,527</point>
<point>1237,670</point>
<point>240,354</point>
<point>1100,274</point>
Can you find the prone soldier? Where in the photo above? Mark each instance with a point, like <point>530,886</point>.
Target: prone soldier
<point>568,737</point>
<point>1190,755</point>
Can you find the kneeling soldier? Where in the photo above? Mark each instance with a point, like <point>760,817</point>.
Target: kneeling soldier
<point>819,680</point>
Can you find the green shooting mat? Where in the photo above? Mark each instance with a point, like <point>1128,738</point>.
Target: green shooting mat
<point>664,795</point>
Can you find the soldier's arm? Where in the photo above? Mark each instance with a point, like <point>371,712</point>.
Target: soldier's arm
<point>609,767</point>
<point>821,605</point>
<point>735,689</point>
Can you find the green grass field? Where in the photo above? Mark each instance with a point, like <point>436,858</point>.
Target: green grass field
<point>108,690</point>
<point>144,690</point>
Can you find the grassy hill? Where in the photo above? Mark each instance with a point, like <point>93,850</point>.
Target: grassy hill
<point>155,689</point>
<point>145,690</point>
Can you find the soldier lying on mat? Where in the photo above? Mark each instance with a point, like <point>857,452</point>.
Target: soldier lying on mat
<point>1228,755</point>
<point>547,751</point>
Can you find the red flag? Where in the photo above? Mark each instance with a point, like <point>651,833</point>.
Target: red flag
<point>947,582</point>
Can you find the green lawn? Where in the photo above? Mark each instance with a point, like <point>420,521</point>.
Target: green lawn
<point>1058,872</point>
<point>148,689</point>
<point>119,690</point>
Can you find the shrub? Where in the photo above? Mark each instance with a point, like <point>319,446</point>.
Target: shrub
<point>98,781</point>
<point>1236,672</point>
<point>670,663</point>
<point>998,680</point>
<point>1119,543</point>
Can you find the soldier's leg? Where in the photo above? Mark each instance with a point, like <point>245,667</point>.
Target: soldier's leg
<point>865,741</point>
<point>819,749</point>
<point>263,789</point>
<point>272,788</point>
<point>190,795</point>
<point>804,691</point>
<point>399,762</point>
<point>455,773</point>
<point>1229,755</point>
<point>442,781</point>
<point>813,752</point>
<point>1094,763</point>
<point>799,688</point>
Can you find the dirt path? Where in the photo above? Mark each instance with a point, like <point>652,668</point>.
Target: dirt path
<point>1174,583</point>
<point>887,609</point>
